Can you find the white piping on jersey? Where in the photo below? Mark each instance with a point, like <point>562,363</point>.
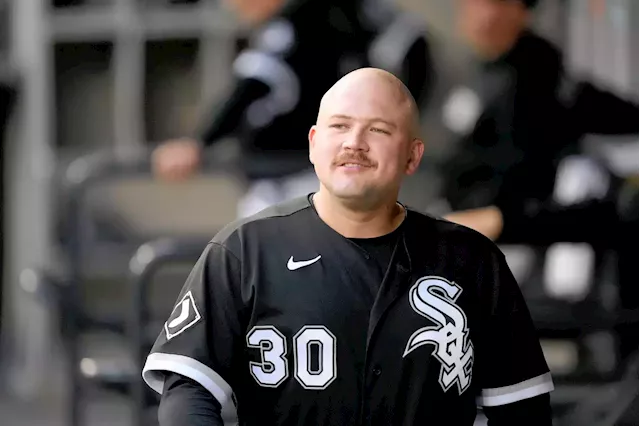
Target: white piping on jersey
<point>275,73</point>
<point>512,393</point>
<point>390,48</point>
<point>195,370</point>
<point>278,37</point>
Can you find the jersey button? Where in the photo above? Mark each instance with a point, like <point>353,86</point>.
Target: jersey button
<point>376,371</point>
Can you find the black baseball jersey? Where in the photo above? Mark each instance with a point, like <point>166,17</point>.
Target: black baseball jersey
<point>286,322</point>
<point>292,60</point>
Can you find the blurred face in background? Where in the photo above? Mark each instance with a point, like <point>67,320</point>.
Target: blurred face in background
<point>255,12</point>
<point>365,141</point>
<point>491,27</point>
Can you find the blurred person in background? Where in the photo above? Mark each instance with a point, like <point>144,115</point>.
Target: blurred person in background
<point>519,119</point>
<point>298,50</point>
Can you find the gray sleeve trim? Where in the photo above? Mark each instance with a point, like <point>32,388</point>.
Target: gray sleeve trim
<point>157,363</point>
<point>275,73</point>
<point>512,393</point>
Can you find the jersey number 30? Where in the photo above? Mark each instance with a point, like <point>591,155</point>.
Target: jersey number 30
<point>273,368</point>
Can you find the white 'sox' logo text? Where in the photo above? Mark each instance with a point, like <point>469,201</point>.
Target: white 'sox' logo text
<point>434,298</point>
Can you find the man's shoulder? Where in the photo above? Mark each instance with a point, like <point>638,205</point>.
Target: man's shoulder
<point>263,220</point>
<point>426,226</point>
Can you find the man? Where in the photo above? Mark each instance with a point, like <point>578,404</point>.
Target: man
<point>300,48</point>
<point>345,307</point>
<point>519,118</point>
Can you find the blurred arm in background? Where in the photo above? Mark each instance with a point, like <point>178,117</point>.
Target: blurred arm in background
<point>226,117</point>
<point>179,159</point>
<point>400,45</point>
<point>597,111</point>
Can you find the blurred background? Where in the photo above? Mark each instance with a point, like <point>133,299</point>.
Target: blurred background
<point>95,247</point>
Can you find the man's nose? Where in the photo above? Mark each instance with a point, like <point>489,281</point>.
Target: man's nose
<point>356,140</point>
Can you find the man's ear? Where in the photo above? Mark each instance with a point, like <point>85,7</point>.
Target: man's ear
<point>415,156</point>
<point>312,142</point>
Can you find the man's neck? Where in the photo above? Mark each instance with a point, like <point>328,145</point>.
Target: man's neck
<point>358,223</point>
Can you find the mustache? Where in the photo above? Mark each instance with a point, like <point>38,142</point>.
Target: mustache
<point>353,157</point>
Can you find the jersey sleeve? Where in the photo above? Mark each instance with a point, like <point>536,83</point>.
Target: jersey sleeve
<point>598,111</point>
<point>226,116</point>
<point>266,86</point>
<point>185,402</point>
<point>202,336</point>
<point>403,48</point>
<point>510,365</point>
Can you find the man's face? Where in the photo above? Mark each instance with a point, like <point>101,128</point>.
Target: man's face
<point>491,27</point>
<point>255,12</point>
<point>363,143</point>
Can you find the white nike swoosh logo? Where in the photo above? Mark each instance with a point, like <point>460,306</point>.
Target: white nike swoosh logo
<point>293,265</point>
<point>184,314</point>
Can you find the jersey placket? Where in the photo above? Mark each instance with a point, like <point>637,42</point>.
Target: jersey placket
<point>394,284</point>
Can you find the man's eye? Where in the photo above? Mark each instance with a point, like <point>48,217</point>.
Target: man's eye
<point>379,130</point>
<point>337,126</point>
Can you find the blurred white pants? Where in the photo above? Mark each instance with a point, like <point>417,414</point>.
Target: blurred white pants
<point>266,192</point>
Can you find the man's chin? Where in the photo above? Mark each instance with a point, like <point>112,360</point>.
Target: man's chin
<point>355,196</point>
<point>350,193</point>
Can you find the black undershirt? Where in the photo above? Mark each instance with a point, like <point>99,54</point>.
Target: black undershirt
<point>380,250</point>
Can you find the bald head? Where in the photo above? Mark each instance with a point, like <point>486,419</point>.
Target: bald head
<point>366,139</point>
<point>385,86</point>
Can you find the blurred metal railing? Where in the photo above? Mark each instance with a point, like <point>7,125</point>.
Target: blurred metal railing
<point>79,178</point>
<point>65,293</point>
<point>82,175</point>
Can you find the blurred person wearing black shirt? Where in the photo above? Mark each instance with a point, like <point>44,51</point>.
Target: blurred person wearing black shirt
<point>298,50</point>
<point>519,118</point>
<point>516,123</point>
